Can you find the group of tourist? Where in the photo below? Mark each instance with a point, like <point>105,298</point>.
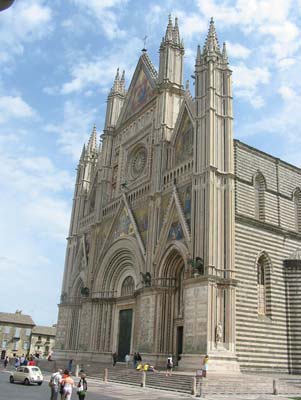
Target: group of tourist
<point>139,366</point>
<point>24,360</point>
<point>61,383</point>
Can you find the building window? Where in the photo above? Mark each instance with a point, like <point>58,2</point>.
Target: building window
<point>7,329</point>
<point>260,187</point>
<point>17,332</point>
<point>4,344</point>
<point>264,285</point>
<point>297,206</point>
<point>28,332</point>
<point>25,345</point>
<point>128,286</point>
<point>15,345</point>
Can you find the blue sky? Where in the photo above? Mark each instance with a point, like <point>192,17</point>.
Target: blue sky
<point>57,62</point>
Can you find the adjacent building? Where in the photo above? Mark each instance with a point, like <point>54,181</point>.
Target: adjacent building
<point>15,333</point>
<point>182,240</point>
<point>42,340</point>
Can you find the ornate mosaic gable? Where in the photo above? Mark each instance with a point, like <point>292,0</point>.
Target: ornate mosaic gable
<point>141,93</point>
<point>185,198</point>
<point>184,141</point>
<point>124,225</point>
<point>141,218</point>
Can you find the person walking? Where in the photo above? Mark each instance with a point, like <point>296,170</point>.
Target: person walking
<point>82,387</point>
<point>139,358</point>
<point>5,362</point>
<point>205,366</point>
<point>67,384</point>
<point>114,358</point>
<point>169,366</point>
<point>135,360</point>
<point>127,360</point>
<point>54,384</point>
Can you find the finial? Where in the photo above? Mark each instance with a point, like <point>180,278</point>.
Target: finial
<point>187,86</point>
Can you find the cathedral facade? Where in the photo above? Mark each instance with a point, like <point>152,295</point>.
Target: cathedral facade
<point>183,241</point>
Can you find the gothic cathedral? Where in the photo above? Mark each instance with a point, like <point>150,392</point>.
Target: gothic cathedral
<point>183,241</point>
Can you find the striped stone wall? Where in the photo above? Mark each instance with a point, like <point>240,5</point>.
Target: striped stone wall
<point>270,341</point>
<point>292,272</point>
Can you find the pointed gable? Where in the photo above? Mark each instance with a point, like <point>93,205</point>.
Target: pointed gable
<point>123,225</point>
<point>183,140</point>
<point>141,89</point>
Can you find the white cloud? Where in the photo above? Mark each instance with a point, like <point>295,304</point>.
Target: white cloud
<point>74,130</point>
<point>191,24</point>
<point>27,21</point>
<point>14,107</point>
<point>99,72</point>
<point>237,50</point>
<point>264,17</point>
<point>106,12</point>
<point>246,82</point>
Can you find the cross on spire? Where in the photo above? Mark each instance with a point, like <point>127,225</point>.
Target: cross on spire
<point>144,43</point>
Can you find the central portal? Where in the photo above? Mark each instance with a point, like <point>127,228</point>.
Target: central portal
<point>125,333</point>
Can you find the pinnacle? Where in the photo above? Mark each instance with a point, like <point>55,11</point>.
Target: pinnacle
<point>211,43</point>
<point>92,143</point>
<point>225,55</point>
<point>169,30</point>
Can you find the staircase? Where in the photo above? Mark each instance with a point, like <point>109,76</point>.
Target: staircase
<point>213,385</point>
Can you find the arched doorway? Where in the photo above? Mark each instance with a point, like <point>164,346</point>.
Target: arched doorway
<point>171,322</point>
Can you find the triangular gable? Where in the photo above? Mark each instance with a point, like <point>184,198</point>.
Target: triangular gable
<point>174,225</point>
<point>81,259</point>
<point>141,89</point>
<point>182,138</point>
<point>123,225</point>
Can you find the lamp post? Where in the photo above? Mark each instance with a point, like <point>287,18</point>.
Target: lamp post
<point>4,4</point>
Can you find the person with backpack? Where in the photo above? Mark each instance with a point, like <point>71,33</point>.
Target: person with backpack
<point>169,366</point>
<point>82,387</point>
<point>54,384</point>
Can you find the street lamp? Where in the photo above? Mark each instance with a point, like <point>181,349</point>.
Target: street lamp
<point>4,4</point>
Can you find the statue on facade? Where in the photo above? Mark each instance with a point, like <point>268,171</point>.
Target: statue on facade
<point>219,332</point>
<point>146,278</point>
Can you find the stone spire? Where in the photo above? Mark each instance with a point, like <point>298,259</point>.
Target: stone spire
<point>122,83</point>
<point>198,55</point>
<point>116,84</point>
<point>176,33</point>
<point>225,55</point>
<point>115,100</point>
<point>211,43</point>
<point>92,143</point>
<point>169,30</point>
<point>83,153</point>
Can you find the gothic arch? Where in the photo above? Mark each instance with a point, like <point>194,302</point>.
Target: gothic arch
<point>265,254</point>
<point>259,183</point>
<point>264,271</point>
<point>123,259</point>
<point>175,253</point>
<point>77,284</point>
